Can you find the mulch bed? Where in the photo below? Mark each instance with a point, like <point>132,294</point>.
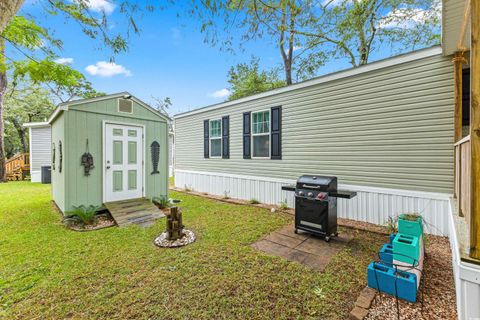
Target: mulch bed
<point>439,299</point>
<point>101,223</point>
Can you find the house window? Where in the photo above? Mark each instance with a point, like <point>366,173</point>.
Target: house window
<point>215,138</point>
<point>261,134</point>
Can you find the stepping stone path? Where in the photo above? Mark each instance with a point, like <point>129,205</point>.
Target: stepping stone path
<point>303,248</point>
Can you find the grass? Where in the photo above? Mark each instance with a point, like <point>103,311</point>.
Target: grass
<point>49,272</point>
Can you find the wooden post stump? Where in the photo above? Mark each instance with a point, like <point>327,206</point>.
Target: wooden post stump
<point>174,224</point>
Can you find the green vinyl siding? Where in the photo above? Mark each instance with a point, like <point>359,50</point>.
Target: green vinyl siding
<point>391,127</point>
<point>85,122</point>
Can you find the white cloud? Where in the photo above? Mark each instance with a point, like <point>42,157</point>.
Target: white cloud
<point>106,6</point>
<point>295,48</point>
<point>222,93</point>
<point>407,18</point>
<point>64,61</point>
<point>107,69</point>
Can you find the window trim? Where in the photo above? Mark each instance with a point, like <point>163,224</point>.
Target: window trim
<point>252,135</point>
<point>214,138</point>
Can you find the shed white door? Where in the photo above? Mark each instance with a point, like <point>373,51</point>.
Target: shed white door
<point>123,162</point>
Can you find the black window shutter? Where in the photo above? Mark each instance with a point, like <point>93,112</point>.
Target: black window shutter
<point>206,147</point>
<point>276,133</point>
<point>246,136</point>
<point>225,137</point>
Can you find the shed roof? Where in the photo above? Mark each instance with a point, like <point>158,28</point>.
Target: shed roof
<point>65,105</point>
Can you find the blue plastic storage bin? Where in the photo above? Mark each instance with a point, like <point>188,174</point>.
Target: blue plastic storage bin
<point>396,283</point>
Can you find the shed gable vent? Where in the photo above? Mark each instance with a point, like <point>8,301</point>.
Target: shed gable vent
<point>125,105</point>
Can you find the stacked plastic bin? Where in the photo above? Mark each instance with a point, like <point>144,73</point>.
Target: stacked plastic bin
<point>400,264</point>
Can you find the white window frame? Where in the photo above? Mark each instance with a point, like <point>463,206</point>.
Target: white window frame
<point>261,134</point>
<point>214,138</point>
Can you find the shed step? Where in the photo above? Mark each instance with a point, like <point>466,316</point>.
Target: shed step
<point>134,211</point>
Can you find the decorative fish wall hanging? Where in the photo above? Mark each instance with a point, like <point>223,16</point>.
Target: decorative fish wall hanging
<point>155,149</point>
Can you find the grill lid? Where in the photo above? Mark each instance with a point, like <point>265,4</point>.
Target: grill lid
<point>314,182</point>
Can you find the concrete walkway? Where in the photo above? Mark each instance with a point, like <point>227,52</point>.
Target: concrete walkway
<point>303,247</point>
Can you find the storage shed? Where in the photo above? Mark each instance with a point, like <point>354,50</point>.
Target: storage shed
<point>108,149</point>
<point>40,135</point>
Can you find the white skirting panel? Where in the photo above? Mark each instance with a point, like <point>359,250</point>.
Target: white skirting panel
<point>466,276</point>
<point>374,205</point>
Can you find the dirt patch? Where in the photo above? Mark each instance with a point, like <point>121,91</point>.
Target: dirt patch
<point>439,289</point>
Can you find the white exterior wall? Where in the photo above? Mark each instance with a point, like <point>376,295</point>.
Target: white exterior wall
<point>466,276</point>
<point>373,205</point>
<point>40,151</point>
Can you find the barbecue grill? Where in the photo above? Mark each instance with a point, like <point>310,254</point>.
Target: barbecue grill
<point>316,204</point>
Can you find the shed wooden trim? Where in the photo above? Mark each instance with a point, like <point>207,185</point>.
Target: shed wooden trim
<point>64,106</point>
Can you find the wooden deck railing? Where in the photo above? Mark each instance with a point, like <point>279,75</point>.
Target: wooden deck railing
<point>463,176</point>
<point>18,166</point>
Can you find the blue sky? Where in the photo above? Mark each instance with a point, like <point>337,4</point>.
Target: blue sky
<point>167,59</point>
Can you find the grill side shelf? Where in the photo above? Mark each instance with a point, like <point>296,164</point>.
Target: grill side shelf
<point>344,194</point>
<point>288,188</point>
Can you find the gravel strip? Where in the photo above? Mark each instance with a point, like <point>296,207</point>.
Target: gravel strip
<point>439,300</point>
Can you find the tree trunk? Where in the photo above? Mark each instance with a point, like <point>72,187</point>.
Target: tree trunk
<point>22,135</point>
<point>3,89</point>
<point>287,63</point>
<point>8,9</point>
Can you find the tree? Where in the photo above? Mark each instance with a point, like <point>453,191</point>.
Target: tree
<point>353,29</point>
<point>162,105</point>
<point>28,103</point>
<point>246,79</point>
<point>39,49</point>
<point>260,19</point>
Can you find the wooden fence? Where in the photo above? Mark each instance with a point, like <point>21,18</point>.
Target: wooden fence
<point>18,167</point>
<point>463,176</point>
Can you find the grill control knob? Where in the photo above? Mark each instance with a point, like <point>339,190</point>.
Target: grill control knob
<point>310,194</point>
<point>301,193</point>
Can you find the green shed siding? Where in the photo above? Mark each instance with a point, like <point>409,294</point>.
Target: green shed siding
<point>85,121</point>
<point>58,178</point>
<point>390,127</point>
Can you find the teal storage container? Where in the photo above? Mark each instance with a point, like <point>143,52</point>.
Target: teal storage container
<point>406,248</point>
<point>411,227</point>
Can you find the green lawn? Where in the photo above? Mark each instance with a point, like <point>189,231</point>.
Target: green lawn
<point>49,272</point>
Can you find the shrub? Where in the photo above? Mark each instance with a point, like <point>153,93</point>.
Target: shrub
<point>162,202</point>
<point>254,201</point>
<point>226,194</point>
<point>392,224</point>
<point>83,214</point>
<point>283,205</point>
